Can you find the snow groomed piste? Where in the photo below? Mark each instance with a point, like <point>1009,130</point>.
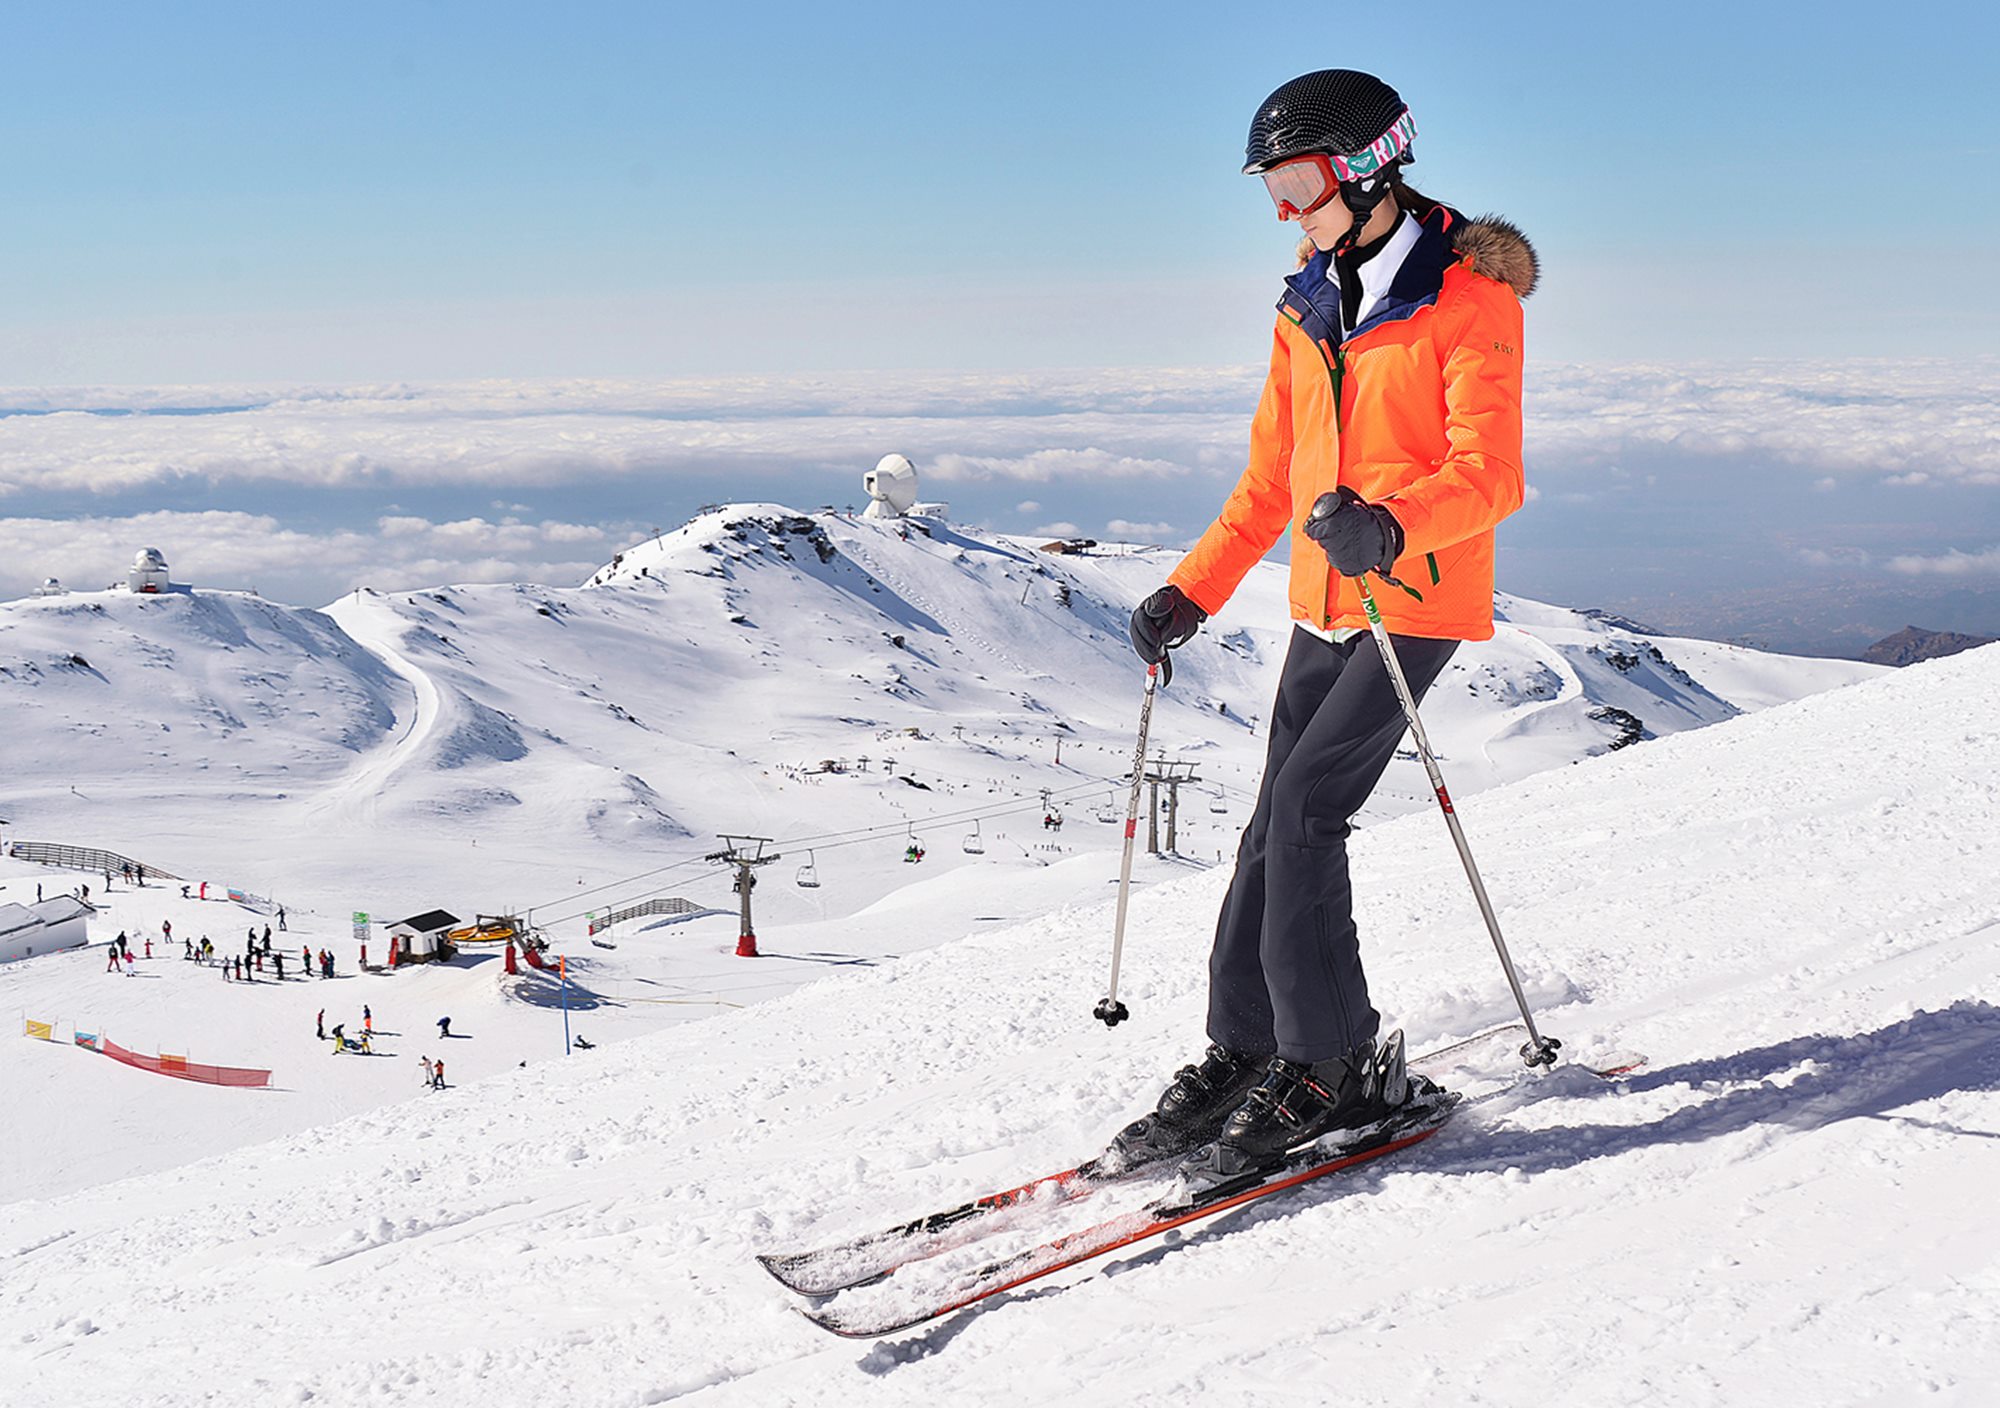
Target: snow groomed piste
<point>1789,912</point>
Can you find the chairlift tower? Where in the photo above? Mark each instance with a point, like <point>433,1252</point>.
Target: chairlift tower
<point>745,853</point>
<point>1170,775</point>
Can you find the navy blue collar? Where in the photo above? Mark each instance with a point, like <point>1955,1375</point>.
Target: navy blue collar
<point>1313,301</point>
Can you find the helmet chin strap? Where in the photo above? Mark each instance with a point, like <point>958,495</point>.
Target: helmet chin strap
<point>1362,199</point>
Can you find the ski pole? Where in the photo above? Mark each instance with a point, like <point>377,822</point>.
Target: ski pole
<point>1111,1011</point>
<point>1540,1050</point>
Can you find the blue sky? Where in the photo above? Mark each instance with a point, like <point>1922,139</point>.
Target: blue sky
<point>695,253</point>
<point>212,191</point>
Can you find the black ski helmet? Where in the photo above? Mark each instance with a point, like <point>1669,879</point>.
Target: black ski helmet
<point>1353,117</point>
<point>1335,110</point>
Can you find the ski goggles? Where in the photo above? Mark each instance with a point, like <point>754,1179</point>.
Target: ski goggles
<point>1302,184</point>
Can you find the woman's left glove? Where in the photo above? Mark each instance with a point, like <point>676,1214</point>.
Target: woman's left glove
<point>1358,537</point>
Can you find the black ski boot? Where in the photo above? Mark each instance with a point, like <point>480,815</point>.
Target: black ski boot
<point>1190,1113</point>
<point>1296,1104</point>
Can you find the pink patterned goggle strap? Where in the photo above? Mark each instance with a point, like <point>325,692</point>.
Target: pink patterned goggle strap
<point>1358,166</point>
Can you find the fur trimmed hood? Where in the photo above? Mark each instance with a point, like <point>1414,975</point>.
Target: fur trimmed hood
<point>1497,249</point>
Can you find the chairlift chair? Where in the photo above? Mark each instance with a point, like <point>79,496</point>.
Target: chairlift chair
<point>975,844</point>
<point>1218,804</point>
<point>808,876</point>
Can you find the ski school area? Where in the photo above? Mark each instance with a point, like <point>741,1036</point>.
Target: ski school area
<point>238,1002</point>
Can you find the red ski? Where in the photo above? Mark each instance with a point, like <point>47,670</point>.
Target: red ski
<point>864,1317</point>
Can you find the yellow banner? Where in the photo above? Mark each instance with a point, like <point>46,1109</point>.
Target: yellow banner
<point>42,1031</point>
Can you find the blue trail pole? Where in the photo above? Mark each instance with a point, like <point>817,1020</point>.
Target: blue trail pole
<point>562,965</point>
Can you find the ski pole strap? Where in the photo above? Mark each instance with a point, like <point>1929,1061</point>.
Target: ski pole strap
<point>1403,585</point>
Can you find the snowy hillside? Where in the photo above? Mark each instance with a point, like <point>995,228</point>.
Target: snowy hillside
<point>701,683</point>
<point>846,686</point>
<point>1790,914</point>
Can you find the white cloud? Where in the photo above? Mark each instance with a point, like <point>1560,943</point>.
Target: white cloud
<point>240,550</point>
<point>1058,530</point>
<point>1053,466</point>
<point>1139,532</point>
<point>1919,421</point>
<point>1027,506</point>
<point>1931,421</point>
<point>1949,564</point>
<point>1036,427</point>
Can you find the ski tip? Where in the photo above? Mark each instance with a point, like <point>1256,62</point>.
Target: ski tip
<point>784,1268</point>
<point>831,1321</point>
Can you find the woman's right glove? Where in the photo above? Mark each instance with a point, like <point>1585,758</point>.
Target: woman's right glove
<point>1161,622</point>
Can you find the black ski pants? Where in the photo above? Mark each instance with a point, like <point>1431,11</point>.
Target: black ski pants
<point>1285,975</point>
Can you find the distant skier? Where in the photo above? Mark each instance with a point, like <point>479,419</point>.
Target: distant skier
<point>267,938</point>
<point>367,1019</point>
<point>425,1062</point>
<point>319,1024</point>
<point>111,957</point>
<point>444,1027</point>
<point>437,1074</point>
<point>281,919</point>
<point>306,959</point>
<point>339,1038</point>
<point>1417,311</point>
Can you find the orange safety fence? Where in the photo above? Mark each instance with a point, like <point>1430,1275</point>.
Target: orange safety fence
<point>182,1068</point>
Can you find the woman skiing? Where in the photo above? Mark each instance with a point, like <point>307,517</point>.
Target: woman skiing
<point>1387,440</point>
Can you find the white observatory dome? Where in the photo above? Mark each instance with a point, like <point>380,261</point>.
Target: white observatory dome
<point>891,486</point>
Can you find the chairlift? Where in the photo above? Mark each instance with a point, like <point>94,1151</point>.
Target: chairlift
<point>808,876</point>
<point>975,844</point>
<point>1218,804</point>
<point>1108,813</point>
<point>913,850</point>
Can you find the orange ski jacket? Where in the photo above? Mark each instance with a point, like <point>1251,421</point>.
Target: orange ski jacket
<point>1418,410</point>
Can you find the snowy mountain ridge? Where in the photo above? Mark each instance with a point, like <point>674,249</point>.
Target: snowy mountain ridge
<point>695,682</point>
<point>1787,913</point>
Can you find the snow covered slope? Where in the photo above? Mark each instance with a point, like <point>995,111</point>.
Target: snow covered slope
<point>1791,913</point>
<point>700,683</point>
<point>488,748</point>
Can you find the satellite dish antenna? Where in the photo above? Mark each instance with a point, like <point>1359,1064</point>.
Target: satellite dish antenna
<point>891,486</point>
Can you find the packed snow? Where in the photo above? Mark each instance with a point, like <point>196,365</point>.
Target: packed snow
<point>1781,897</point>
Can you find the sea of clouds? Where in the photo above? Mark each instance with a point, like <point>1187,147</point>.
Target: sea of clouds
<point>308,491</point>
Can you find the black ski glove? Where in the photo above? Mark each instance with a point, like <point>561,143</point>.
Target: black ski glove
<point>1162,621</point>
<point>1359,537</point>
